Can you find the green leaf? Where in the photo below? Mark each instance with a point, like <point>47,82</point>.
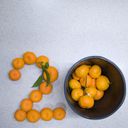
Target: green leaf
<point>41,78</point>
<point>38,81</point>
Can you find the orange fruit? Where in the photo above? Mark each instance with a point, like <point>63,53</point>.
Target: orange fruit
<point>99,95</point>
<point>29,58</point>
<point>86,102</point>
<point>95,71</point>
<point>45,89</point>
<point>102,83</point>
<point>82,70</point>
<point>20,115</point>
<point>91,91</point>
<point>77,93</point>
<point>90,82</point>
<point>35,96</point>
<point>74,76</point>
<point>53,72</point>
<point>14,74</point>
<point>59,113</point>
<point>18,63</point>
<point>33,116</point>
<point>46,114</point>
<point>83,81</point>
<point>26,104</point>
<point>74,84</point>
<point>41,59</point>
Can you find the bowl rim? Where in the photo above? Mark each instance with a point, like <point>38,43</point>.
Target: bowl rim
<point>105,59</point>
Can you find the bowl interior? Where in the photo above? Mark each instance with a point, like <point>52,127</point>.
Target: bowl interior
<point>112,98</point>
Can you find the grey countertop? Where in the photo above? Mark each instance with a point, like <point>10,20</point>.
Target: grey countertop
<point>65,31</point>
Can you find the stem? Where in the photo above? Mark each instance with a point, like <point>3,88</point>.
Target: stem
<point>48,76</point>
<point>44,70</point>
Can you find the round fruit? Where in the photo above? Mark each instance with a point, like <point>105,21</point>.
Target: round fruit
<point>59,113</point>
<point>74,84</point>
<point>35,96</point>
<point>26,104</point>
<point>82,71</point>
<point>53,72</point>
<point>14,74</point>
<point>18,63</point>
<point>95,71</point>
<point>76,94</point>
<point>91,91</point>
<point>99,95</point>
<point>41,59</point>
<point>90,82</point>
<point>83,81</point>
<point>20,115</point>
<point>86,102</point>
<point>29,58</point>
<point>102,83</point>
<point>45,89</point>
<point>46,114</point>
<point>33,116</point>
<point>75,77</point>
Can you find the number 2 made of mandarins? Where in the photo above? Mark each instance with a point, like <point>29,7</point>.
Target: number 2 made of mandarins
<point>44,85</point>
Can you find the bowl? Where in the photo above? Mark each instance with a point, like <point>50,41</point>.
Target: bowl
<point>113,97</point>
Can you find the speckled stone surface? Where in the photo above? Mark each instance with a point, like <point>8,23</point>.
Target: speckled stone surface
<point>65,31</point>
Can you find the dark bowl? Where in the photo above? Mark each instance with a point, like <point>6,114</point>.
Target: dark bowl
<point>113,97</point>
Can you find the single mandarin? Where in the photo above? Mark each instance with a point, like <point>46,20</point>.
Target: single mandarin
<point>102,83</point>
<point>29,58</point>
<point>14,74</point>
<point>76,94</point>
<point>35,96</point>
<point>82,71</point>
<point>20,115</point>
<point>33,116</point>
<point>46,114</point>
<point>75,77</point>
<point>53,72</point>
<point>95,71</point>
<point>73,84</point>
<point>86,102</point>
<point>18,63</point>
<point>91,91</point>
<point>45,89</point>
<point>59,113</point>
<point>99,95</point>
<point>26,105</point>
<point>41,59</point>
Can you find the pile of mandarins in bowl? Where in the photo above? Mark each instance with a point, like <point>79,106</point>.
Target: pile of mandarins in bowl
<point>87,85</point>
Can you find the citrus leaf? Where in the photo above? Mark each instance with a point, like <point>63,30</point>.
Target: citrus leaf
<point>38,81</point>
<point>41,77</point>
